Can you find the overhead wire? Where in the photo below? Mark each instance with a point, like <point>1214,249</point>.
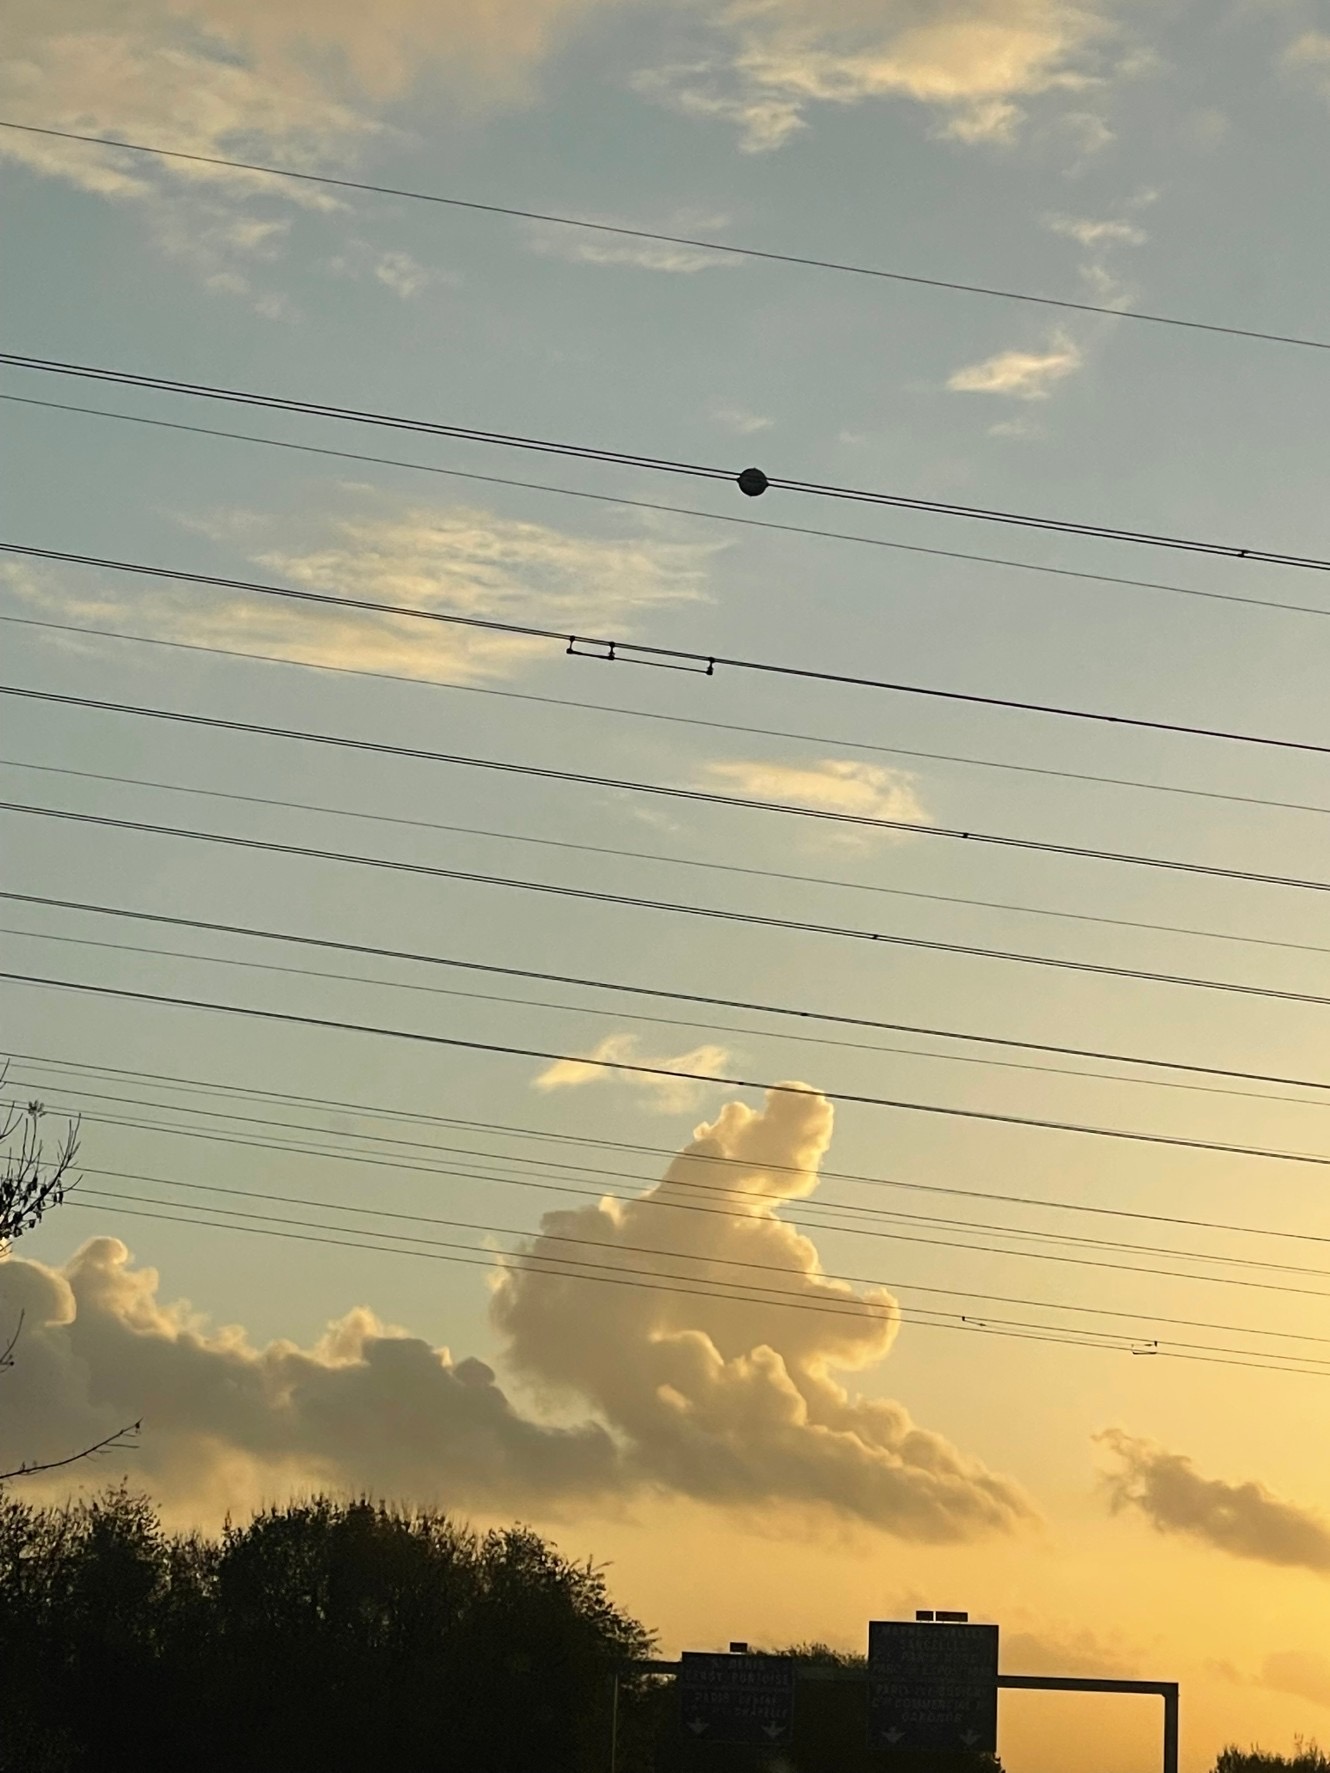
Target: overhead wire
<point>1208,594</point>
<point>656,464</point>
<point>629,652</point>
<point>694,243</point>
<point>638,902</point>
<point>661,790</point>
<point>707,1161</point>
<point>666,994</point>
<point>745,870</point>
<point>632,1067</point>
<point>713,1259</point>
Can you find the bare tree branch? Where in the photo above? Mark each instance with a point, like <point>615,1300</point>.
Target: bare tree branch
<point>30,1182</point>
<point>112,1443</point>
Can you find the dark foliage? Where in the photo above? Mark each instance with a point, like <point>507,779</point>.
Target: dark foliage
<point>321,1636</point>
<point>1306,1758</point>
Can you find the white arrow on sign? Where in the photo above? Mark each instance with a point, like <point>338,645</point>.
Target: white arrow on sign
<point>698,1726</point>
<point>773,1730</point>
<point>970,1738</point>
<point>893,1736</point>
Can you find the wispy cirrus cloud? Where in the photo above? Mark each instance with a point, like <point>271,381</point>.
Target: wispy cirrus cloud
<point>462,559</point>
<point>1020,375</point>
<point>973,64</point>
<point>833,784</point>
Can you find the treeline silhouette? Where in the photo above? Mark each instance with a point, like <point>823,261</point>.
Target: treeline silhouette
<point>320,1636</point>
<point>1306,1758</point>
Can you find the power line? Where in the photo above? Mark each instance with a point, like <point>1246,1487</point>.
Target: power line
<point>695,243</point>
<point>637,1068</point>
<point>620,1015</point>
<point>549,977</point>
<point>568,1272</point>
<point>865,1221</point>
<point>635,902</point>
<point>673,861</point>
<point>652,714</point>
<point>573,492</point>
<point>640,652</point>
<point>704,1258</point>
<point>663,790</point>
<point>658,464</point>
<point>704,1159</point>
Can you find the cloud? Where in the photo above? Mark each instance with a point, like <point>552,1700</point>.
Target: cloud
<point>1020,375</point>
<point>1302,1673</point>
<point>292,82</point>
<point>1245,1520</point>
<point>589,248</point>
<point>734,1403</point>
<point>970,62</point>
<point>648,1392</point>
<point>739,420</point>
<point>1308,57</point>
<point>834,784</point>
<point>367,1407</point>
<point>669,1095</point>
<point>457,558</point>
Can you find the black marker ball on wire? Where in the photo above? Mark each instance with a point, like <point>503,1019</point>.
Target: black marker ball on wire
<point>753,482</point>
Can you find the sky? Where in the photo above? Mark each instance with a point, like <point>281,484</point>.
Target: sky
<point>945,1409</point>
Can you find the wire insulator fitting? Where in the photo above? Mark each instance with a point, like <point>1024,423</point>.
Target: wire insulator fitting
<point>753,482</point>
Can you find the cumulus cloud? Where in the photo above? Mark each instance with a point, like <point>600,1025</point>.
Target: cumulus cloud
<point>1246,1520</point>
<point>1020,375</point>
<point>727,1400</point>
<point>833,784</point>
<point>367,1407</point>
<point>972,62</point>
<point>614,1057</point>
<point>298,83</point>
<point>723,1400</point>
<point>456,558</point>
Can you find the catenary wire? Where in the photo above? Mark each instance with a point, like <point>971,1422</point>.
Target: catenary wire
<point>659,464</point>
<point>652,714</point>
<point>638,1068</point>
<point>695,243</point>
<point>865,1220</point>
<point>569,1272</point>
<point>599,896</point>
<point>623,651</point>
<point>545,1236</point>
<point>287,970</point>
<point>892,1231</point>
<point>661,790</point>
<point>419,957</point>
<point>792,529</point>
<point>708,1160</point>
<point>674,861</point>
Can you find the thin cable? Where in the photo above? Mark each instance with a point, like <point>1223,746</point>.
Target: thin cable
<point>552,1270</point>
<point>629,901</point>
<point>656,464</point>
<point>619,1015</point>
<point>706,1159</point>
<point>560,1186</point>
<point>722,726</point>
<point>870,1307</point>
<point>696,244</point>
<point>673,861</point>
<point>637,1069</point>
<point>627,652</point>
<point>789,529</point>
<point>662,790</point>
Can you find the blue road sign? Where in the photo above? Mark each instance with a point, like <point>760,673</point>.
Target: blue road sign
<point>736,1699</point>
<point>932,1688</point>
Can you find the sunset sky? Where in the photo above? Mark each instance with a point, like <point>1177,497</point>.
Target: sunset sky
<point>1066,1381</point>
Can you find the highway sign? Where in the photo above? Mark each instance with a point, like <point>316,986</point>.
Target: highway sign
<point>932,1688</point>
<point>736,1699</point>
